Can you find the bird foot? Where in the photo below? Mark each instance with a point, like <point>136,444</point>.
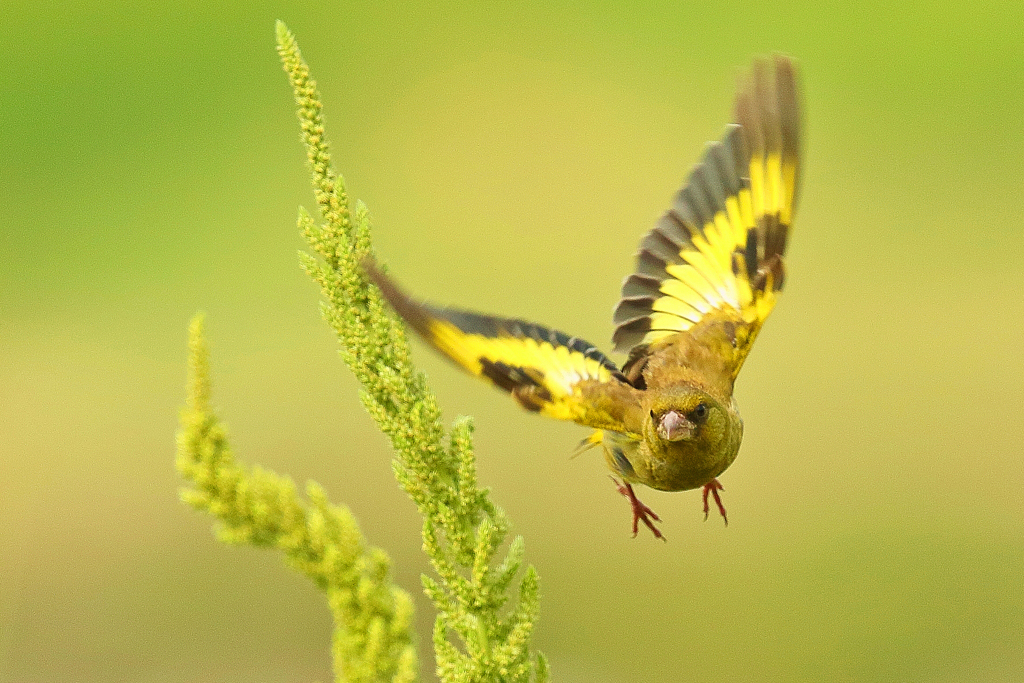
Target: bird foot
<point>641,513</point>
<point>713,487</point>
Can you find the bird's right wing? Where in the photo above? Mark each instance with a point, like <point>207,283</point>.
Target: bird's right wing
<point>546,371</point>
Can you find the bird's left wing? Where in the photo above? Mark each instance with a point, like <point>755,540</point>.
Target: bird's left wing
<point>714,261</point>
<point>546,371</point>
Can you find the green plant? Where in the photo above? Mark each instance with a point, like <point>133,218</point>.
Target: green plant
<point>477,635</point>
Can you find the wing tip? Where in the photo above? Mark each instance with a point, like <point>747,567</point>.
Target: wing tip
<point>410,310</point>
<point>771,85</point>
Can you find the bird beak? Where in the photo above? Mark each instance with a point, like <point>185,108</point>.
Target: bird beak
<point>673,426</point>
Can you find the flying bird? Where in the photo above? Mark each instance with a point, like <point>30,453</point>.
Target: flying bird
<point>706,278</point>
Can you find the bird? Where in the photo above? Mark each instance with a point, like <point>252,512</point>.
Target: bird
<point>707,276</point>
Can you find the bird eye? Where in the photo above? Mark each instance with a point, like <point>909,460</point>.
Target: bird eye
<point>700,412</point>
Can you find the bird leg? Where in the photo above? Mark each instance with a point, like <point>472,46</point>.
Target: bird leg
<point>641,513</point>
<point>713,487</point>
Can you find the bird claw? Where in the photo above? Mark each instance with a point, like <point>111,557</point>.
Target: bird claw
<point>713,487</point>
<point>641,513</point>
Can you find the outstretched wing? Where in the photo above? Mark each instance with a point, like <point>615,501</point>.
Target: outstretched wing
<point>545,371</point>
<point>717,254</point>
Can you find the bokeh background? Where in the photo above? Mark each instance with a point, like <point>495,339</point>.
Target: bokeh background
<point>512,154</point>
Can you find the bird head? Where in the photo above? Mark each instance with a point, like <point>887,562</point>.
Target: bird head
<point>689,415</point>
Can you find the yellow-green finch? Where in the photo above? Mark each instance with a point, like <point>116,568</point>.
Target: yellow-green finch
<point>706,278</point>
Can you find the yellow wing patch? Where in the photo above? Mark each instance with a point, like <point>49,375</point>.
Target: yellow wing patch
<point>541,368</point>
<point>719,249</point>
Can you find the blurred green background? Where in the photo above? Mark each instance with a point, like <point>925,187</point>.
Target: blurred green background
<point>512,155</point>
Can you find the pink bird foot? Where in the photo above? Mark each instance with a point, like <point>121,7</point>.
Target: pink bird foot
<point>713,487</point>
<point>641,513</point>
